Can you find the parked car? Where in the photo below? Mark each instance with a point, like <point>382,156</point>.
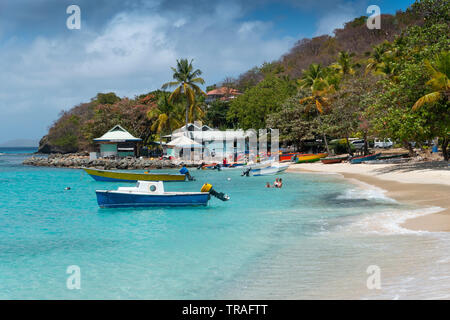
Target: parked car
<point>358,144</point>
<point>386,143</point>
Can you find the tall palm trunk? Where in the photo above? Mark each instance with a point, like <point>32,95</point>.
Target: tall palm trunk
<point>323,134</point>
<point>444,148</point>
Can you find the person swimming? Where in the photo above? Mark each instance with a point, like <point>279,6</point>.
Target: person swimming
<point>280,183</point>
<point>268,185</point>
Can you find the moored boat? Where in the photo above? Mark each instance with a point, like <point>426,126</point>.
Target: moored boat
<point>286,157</point>
<point>152,194</point>
<point>117,176</point>
<point>332,160</point>
<point>361,159</point>
<point>310,157</point>
<point>274,168</point>
<point>393,156</point>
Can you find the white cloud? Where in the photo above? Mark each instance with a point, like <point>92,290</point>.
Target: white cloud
<point>132,54</point>
<point>335,18</point>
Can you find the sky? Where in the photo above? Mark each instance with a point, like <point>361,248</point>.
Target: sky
<point>128,47</point>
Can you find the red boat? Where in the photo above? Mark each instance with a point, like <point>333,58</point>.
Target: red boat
<point>333,160</point>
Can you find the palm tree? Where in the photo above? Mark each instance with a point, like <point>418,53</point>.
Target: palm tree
<point>186,80</point>
<point>196,111</point>
<point>439,81</point>
<point>166,115</point>
<point>377,57</point>
<point>319,89</point>
<point>313,73</point>
<point>344,64</point>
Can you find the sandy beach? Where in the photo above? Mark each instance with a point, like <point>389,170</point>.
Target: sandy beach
<point>421,183</point>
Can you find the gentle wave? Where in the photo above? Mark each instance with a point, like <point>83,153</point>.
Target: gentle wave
<point>388,222</point>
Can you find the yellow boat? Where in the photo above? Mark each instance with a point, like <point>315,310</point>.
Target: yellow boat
<point>115,176</point>
<point>311,157</point>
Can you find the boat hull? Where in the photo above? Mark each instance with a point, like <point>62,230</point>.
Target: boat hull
<point>268,171</point>
<point>108,199</point>
<point>364,158</point>
<point>311,158</point>
<point>112,176</point>
<point>331,161</point>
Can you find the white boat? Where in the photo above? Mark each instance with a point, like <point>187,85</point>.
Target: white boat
<point>274,168</point>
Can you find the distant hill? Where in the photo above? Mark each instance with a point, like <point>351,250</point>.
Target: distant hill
<point>76,128</point>
<point>22,143</point>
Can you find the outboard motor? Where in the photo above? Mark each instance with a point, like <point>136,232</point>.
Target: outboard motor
<point>185,171</point>
<point>200,166</point>
<point>246,172</point>
<point>219,195</point>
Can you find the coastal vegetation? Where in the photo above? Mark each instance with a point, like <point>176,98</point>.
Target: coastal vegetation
<point>363,83</point>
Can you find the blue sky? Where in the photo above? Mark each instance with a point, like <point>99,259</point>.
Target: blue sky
<point>127,46</point>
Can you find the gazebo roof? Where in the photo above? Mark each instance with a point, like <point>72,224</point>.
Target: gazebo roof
<point>117,134</point>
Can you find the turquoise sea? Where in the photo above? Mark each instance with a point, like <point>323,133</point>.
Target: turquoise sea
<point>314,238</point>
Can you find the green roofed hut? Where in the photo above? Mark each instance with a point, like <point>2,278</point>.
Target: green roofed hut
<point>118,142</point>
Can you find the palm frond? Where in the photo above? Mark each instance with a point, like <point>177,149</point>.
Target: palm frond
<point>427,99</point>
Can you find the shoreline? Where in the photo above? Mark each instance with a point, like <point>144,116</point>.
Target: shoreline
<point>424,185</point>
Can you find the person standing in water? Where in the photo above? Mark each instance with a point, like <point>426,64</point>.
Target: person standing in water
<point>276,183</point>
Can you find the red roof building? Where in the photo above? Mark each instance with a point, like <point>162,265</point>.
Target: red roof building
<point>222,93</point>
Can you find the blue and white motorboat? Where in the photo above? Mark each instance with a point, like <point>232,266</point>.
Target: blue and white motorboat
<point>152,194</point>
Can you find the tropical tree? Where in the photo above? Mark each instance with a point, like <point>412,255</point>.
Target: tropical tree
<point>320,88</point>
<point>376,58</point>
<point>439,82</point>
<point>186,79</point>
<point>344,64</point>
<point>309,76</point>
<point>167,116</point>
<point>196,111</point>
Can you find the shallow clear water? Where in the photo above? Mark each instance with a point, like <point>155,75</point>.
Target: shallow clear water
<point>314,238</point>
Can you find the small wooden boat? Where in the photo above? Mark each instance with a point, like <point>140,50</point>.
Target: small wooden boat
<point>116,176</point>
<point>274,168</point>
<point>333,160</point>
<point>310,157</point>
<point>361,159</point>
<point>152,194</point>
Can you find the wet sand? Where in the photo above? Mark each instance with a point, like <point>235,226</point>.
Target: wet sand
<point>422,184</point>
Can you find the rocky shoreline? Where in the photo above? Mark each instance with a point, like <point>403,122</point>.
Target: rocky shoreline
<point>77,161</point>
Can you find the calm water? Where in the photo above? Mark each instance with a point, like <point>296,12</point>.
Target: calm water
<point>314,238</point>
